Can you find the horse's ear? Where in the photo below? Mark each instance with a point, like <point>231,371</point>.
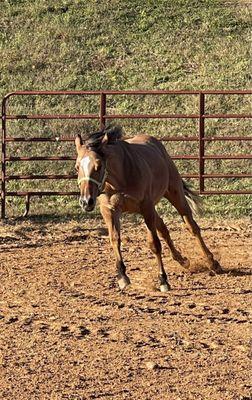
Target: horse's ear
<point>78,142</point>
<point>112,134</point>
<point>105,140</point>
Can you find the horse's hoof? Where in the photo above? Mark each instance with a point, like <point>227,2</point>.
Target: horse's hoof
<point>216,268</point>
<point>165,287</point>
<point>123,282</point>
<point>185,263</point>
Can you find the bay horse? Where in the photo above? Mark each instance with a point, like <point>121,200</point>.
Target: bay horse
<point>132,176</point>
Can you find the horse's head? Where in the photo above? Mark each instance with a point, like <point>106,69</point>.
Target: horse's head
<point>91,168</point>
<point>91,163</point>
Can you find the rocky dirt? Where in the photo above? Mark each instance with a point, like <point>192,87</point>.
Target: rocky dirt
<point>67,332</point>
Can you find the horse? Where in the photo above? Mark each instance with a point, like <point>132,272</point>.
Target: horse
<point>132,176</point>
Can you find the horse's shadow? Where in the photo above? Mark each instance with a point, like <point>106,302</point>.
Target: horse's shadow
<point>235,272</point>
<point>243,271</point>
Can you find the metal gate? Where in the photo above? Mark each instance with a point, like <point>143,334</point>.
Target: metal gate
<point>102,117</point>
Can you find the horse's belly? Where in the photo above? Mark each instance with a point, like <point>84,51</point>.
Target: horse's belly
<point>130,205</point>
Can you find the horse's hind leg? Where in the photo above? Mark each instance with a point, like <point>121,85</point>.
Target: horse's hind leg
<point>149,214</point>
<point>164,233</point>
<point>112,220</point>
<point>178,200</point>
<point>195,231</point>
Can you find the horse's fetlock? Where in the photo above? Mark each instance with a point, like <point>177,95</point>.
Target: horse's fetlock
<point>121,268</point>
<point>163,278</point>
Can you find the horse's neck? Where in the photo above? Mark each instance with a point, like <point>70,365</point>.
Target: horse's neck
<point>116,167</point>
<point>123,172</point>
<point>114,173</point>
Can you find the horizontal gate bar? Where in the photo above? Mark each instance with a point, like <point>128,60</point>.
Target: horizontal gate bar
<point>227,175</point>
<point>205,139</point>
<point>125,92</point>
<point>54,116</point>
<point>58,193</point>
<point>28,177</point>
<point>40,158</point>
<point>228,157</point>
<point>174,116</point>
<point>66,158</point>
<point>52,176</point>
<point>217,192</point>
<point>151,116</point>
<point>163,139</point>
<point>39,139</point>
<point>177,157</point>
<point>49,193</point>
<point>226,138</point>
<point>238,116</point>
<point>125,116</point>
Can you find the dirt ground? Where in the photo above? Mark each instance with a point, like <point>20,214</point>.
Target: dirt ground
<point>67,332</point>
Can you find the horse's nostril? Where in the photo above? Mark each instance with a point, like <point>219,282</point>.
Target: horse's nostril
<point>81,202</point>
<point>90,202</point>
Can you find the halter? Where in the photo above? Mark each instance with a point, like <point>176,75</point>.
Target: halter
<point>100,185</point>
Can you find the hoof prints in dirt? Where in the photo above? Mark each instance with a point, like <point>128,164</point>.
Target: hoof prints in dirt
<point>68,332</point>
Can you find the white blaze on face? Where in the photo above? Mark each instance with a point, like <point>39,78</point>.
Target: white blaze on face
<point>85,164</point>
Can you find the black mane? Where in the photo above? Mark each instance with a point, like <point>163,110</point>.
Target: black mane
<point>113,134</point>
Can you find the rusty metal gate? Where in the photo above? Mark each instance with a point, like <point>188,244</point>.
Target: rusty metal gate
<point>102,117</point>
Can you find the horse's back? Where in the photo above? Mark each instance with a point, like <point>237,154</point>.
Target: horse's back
<point>161,171</point>
<point>152,150</point>
<point>144,139</point>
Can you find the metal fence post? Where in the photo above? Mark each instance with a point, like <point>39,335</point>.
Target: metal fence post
<point>201,142</point>
<point>103,111</point>
<point>3,157</point>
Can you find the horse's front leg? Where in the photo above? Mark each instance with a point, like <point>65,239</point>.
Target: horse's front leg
<point>112,220</point>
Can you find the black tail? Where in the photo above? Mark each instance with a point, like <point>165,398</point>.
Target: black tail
<point>194,200</point>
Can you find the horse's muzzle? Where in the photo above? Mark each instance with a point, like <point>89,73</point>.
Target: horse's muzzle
<point>87,205</point>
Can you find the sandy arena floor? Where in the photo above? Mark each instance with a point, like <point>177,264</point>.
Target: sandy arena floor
<point>67,332</point>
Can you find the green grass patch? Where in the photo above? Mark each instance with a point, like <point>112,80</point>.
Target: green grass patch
<point>164,44</point>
